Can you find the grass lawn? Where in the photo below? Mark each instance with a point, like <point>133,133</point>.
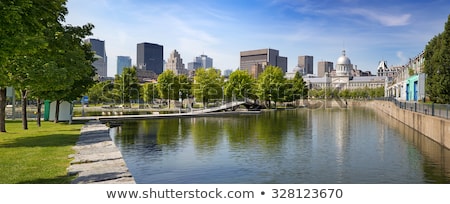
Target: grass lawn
<point>36,155</point>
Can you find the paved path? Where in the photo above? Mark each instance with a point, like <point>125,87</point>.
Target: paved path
<point>97,159</point>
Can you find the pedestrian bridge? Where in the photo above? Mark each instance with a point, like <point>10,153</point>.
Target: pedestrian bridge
<point>231,106</point>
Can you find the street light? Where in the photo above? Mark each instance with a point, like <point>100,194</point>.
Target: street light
<point>168,97</point>
<point>223,96</point>
<point>189,103</point>
<point>123,89</point>
<point>153,98</point>
<point>180,100</point>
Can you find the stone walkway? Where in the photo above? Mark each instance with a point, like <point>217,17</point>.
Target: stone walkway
<point>97,159</point>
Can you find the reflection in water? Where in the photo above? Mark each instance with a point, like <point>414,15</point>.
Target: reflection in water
<point>206,133</point>
<point>288,146</point>
<point>436,164</point>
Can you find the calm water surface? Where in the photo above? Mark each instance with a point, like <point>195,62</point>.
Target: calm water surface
<point>287,146</point>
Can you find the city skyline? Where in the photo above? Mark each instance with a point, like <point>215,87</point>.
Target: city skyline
<point>368,31</point>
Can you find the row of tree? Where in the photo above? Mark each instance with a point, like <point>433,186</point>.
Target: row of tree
<point>42,56</point>
<point>208,85</point>
<point>437,66</point>
<point>365,92</point>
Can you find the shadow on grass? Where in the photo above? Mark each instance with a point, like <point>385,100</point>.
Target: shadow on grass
<point>57,180</point>
<point>53,140</point>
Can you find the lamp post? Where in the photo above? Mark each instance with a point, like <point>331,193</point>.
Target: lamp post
<point>168,97</point>
<point>189,103</point>
<point>153,96</point>
<point>180,100</point>
<point>223,96</point>
<point>123,89</point>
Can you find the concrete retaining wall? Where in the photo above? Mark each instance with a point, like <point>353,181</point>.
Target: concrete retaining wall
<point>437,129</point>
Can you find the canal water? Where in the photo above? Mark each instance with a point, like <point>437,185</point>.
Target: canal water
<point>355,145</point>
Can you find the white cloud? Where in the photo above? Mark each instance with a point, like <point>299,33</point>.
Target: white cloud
<point>382,18</point>
<point>221,30</point>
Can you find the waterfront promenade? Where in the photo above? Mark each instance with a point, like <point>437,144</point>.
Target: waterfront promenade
<point>97,159</point>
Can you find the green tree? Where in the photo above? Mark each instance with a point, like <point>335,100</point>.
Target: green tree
<point>184,85</point>
<point>437,66</point>
<point>379,92</point>
<point>22,27</point>
<point>168,85</point>
<point>42,41</point>
<point>344,93</point>
<point>270,85</point>
<point>295,88</point>
<point>240,85</point>
<point>207,85</point>
<point>126,85</point>
<point>101,92</point>
<point>73,60</point>
<point>150,92</point>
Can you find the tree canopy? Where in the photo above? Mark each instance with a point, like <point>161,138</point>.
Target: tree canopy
<point>270,85</point>
<point>168,85</point>
<point>126,86</point>
<point>41,55</point>
<point>240,85</point>
<point>437,66</point>
<point>208,84</point>
<point>295,88</point>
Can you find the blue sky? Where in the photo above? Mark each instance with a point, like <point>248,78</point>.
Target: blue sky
<point>369,31</point>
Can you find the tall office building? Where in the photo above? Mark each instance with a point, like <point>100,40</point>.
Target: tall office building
<point>122,62</point>
<point>201,61</point>
<point>150,57</point>
<point>324,67</point>
<point>205,61</point>
<point>307,63</point>
<point>175,63</point>
<point>194,65</point>
<point>256,59</point>
<point>101,62</point>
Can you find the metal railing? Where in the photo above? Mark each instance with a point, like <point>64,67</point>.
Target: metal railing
<point>433,109</point>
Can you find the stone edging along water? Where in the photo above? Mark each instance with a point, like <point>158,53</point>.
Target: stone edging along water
<point>97,160</point>
<point>435,128</point>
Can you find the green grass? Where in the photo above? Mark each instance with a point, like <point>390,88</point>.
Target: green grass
<point>36,155</point>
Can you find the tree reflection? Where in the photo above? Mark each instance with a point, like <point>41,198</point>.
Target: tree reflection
<point>240,131</point>
<point>271,130</point>
<point>206,133</point>
<point>171,131</point>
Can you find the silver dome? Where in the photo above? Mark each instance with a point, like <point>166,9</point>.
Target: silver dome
<point>343,59</point>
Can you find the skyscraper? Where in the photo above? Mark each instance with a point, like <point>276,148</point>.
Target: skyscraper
<point>201,61</point>
<point>122,62</point>
<point>307,63</point>
<point>261,58</point>
<point>175,63</point>
<point>194,65</point>
<point>205,61</point>
<point>324,67</point>
<point>101,62</point>
<point>150,57</point>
